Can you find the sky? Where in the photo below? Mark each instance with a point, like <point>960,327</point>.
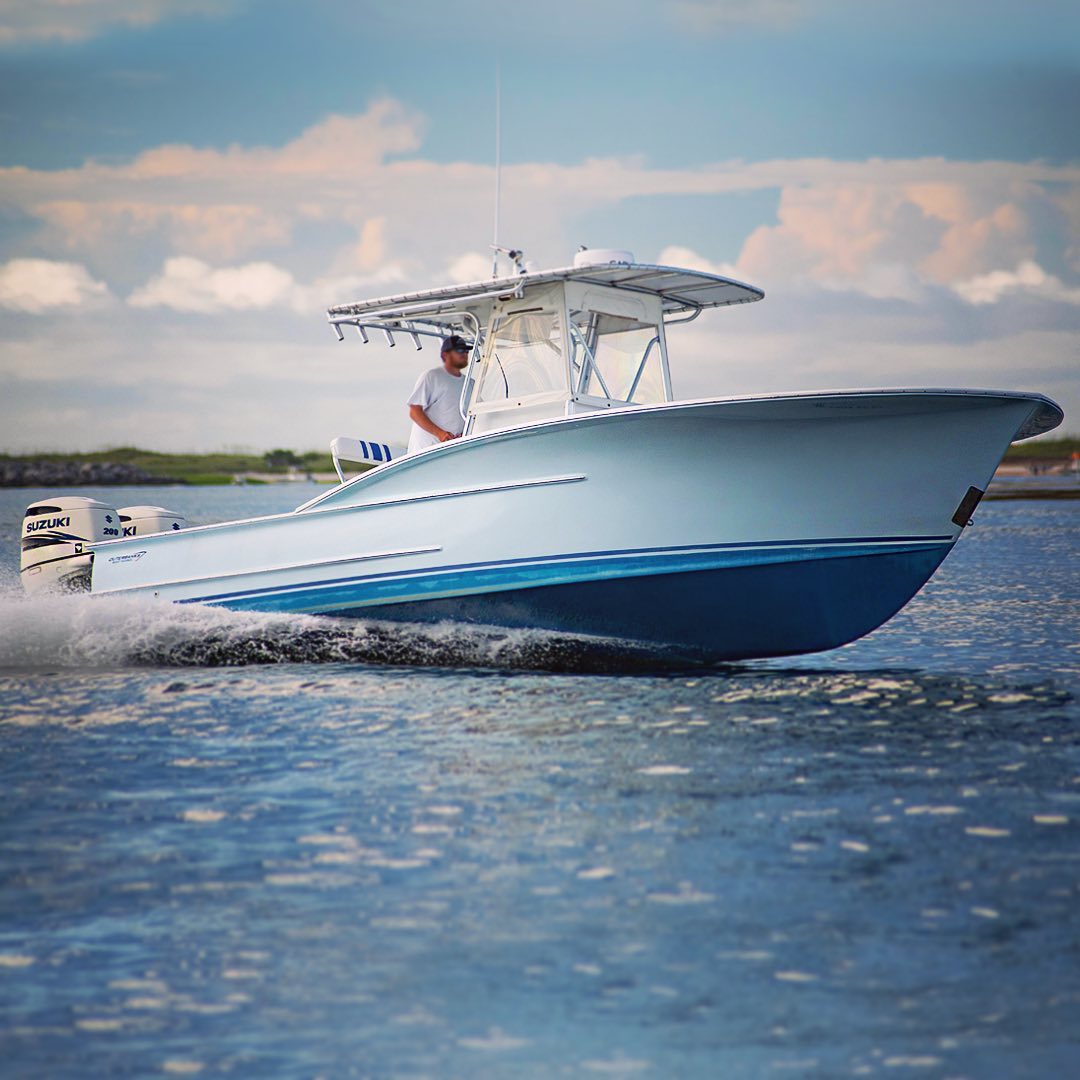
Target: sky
<point>187,185</point>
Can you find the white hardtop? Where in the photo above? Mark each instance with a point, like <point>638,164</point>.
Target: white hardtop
<point>679,291</point>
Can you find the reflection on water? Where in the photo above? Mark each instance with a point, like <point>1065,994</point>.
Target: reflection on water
<point>300,868</point>
<point>257,845</point>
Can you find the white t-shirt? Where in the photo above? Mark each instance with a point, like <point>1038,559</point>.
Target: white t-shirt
<point>438,393</point>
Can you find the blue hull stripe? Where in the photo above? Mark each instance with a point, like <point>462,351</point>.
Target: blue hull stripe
<point>770,609</point>
<point>476,578</point>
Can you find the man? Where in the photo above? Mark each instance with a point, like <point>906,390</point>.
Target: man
<point>434,406</point>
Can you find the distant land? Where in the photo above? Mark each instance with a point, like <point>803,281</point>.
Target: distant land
<point>1051,451</point>
<point>130,465</point>
<point>1027,461</point>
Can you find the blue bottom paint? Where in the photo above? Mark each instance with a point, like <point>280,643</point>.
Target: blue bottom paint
<point>734,613</point>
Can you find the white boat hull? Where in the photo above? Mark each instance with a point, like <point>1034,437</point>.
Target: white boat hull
<point>717,530</point>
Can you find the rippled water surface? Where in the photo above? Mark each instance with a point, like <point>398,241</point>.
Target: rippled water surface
<point>267,846</point>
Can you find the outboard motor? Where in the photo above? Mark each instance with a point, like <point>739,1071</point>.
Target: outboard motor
<point>54,533</point>
<point>144,520</point>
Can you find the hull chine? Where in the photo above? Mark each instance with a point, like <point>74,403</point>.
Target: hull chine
<point>733,606</point>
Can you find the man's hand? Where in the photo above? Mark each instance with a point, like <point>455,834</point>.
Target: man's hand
<point>422,420</point>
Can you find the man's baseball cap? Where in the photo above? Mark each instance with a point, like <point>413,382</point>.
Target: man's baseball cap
<point>454,343</point>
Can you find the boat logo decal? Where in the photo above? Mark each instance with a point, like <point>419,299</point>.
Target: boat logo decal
<point>135,556</point>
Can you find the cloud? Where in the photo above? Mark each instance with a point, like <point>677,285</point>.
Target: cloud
<point>881,227</point>
<point>40,285</point>
<point>187,284</point>
<point>68,21</point>
<point>889,234</point>
<point>472,266</point>
<point>378,212</point>
<point>337,147</point>
<point>691,260</point>
<point>224,204</point>
<point>217,230</point>
<point>348,208</point>
<point>1028,277</point>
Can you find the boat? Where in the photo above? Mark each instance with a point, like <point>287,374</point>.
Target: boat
<point>584,498</point>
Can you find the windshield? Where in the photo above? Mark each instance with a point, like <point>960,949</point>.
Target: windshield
<point>616,358</point>
<point>526,357</point>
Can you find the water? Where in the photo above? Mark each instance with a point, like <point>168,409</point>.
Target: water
<point>267,846</point>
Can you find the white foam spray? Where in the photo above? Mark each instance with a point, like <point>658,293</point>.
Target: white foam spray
<point>107,632</point>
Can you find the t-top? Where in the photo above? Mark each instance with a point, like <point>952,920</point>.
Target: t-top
<point>438,393</point>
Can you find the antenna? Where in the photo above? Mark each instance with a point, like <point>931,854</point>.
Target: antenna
<point>498,169</point>
<point>516,257</point>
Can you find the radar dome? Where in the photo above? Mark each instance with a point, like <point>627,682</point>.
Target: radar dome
<point>602,257</point>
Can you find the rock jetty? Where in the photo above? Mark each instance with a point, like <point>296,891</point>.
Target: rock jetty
<point>64,474</point>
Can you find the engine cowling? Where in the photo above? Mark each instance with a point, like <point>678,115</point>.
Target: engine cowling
<point>54,534</point>
<point>144,520</point>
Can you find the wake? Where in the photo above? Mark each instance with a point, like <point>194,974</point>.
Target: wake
<point>103,632</point>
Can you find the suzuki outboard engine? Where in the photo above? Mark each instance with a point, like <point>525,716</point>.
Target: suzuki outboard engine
<point>54,533</point>
<point>144,520</point>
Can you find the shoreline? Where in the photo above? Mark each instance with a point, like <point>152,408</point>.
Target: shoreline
<point>1001,494</point>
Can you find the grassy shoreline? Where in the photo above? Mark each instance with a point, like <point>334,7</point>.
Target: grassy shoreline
<point>212,468</point>
<point>1051,451</point>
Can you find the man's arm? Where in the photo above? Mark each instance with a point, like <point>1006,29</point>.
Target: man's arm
<point>422,420</point>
